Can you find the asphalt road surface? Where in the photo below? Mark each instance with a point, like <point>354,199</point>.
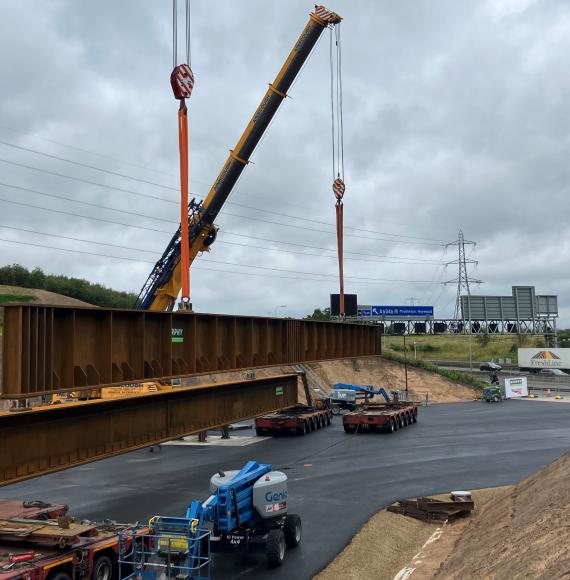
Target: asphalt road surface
<point>336,481</point>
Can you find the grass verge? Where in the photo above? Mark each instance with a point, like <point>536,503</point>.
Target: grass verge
<point>8,298</point>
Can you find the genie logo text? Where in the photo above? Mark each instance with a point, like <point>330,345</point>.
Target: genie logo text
<point>276,496</point>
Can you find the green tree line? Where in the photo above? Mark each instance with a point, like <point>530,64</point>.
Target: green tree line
<point>97,294</point>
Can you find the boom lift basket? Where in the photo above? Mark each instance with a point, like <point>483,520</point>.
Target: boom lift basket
<point>180,551</point>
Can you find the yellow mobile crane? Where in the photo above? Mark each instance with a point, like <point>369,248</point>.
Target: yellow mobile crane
<point>164,282</point>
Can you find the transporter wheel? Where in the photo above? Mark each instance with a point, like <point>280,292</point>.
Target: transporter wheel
<point>336,409</point>
<point>396,424</point>
<point>495,399</point>
<point>293,530</point>
<point>102,568</point>
<point>275,548</point>
<point>303,429</point>
<point>391,427</point>
<point>414,418</point>
<point>349,429</point>
<point>258,431</point>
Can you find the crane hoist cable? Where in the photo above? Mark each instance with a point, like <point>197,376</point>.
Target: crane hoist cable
<point>182,82</point>
<point>337,134</point>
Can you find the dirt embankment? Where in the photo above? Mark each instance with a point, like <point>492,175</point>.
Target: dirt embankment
<point>375,371</point>
<point>524,534</point>
<point>515,533</point>
<point>42,296</point>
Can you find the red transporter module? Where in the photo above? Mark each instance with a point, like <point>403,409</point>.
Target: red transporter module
<point>386,417</point>
<point>40,541</point>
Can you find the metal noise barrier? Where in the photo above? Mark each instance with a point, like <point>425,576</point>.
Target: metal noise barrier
<point>49,349</point>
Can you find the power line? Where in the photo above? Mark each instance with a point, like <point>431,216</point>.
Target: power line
<point>86,165</point>
<point>159,253</point>
<point>81,150</point>
<point>228,233</point>
<point>79,239</point>
<point>21,203</point>
<point>331,232</point>
<point>393,259</point>
<point>333,225</point>
<point>309,274</point>
<point>225,212</point>
<point>97,205</point>
<point>321,255</point>
<point>87,181</point>
<point>137,193</point>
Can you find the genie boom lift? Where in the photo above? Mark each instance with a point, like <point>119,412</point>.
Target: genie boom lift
<point>246,512</point>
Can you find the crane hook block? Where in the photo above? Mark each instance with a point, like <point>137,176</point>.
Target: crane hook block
<point>182,81</point>
<point>338,188</point>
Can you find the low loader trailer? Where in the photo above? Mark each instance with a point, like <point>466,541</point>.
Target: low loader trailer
<point>297,420</point>
<point>380,417</point>
<point>39,541</point>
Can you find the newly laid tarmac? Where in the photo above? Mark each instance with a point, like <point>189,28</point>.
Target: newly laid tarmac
<point>336,481</point>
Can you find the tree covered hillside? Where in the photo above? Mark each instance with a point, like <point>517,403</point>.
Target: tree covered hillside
<point>96,294</point>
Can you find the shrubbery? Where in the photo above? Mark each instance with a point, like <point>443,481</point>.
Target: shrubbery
<point>97,294</point>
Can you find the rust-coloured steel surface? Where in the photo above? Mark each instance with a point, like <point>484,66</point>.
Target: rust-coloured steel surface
<point>49,349</point>
<point>47,439</point>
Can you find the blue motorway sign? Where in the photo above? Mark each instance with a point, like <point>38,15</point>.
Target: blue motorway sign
<point>403,311</point>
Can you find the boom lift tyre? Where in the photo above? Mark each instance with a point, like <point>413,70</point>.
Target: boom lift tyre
<point>275,548</point>
<point>102,568</point>
<point>293,530</point>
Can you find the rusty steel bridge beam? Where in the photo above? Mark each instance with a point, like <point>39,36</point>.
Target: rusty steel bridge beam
<point>47,439</point>
<point>49,349</point>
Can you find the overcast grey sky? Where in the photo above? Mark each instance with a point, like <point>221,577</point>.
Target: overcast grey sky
<point>455,115</point>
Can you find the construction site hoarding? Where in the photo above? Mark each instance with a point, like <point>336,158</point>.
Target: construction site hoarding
<point>544,358</point>
<point>49,349</point>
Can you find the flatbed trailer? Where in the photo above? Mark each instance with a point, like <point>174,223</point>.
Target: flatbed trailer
<point>39,541</point>
<point>380,417</point>
<point>297,420</point>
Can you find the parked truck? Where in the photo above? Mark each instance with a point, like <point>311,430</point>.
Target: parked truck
<point>535,359</point>
<point>39,541</point>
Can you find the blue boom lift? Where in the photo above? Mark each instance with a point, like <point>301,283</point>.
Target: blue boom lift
<point>345,395</point>
<point>246,512</point>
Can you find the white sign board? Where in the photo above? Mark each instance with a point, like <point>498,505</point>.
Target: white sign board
<point>516,387</point>
<point>544,358</point>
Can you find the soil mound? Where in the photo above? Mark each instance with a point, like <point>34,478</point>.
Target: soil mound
<point>525,534</point>
<point>374,370</point>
